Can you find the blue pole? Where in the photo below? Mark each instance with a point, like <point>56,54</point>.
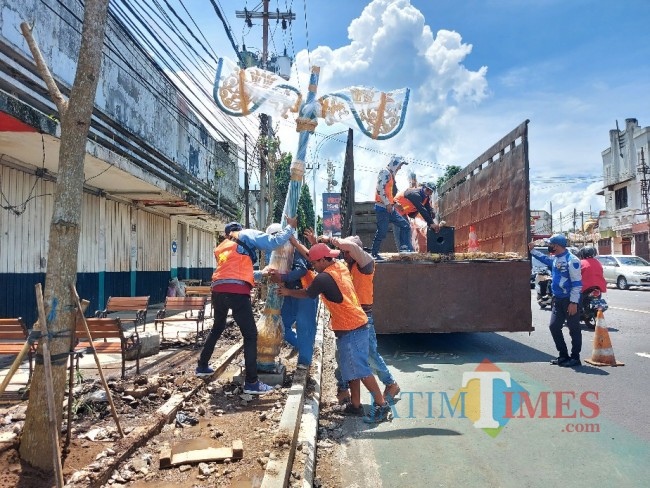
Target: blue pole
<point>270,328</point>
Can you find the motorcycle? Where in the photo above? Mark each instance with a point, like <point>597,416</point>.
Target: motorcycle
<point>543,288</point>
<point>591,301</point>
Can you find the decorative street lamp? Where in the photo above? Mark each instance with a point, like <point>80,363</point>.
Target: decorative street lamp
<point>240,92</point>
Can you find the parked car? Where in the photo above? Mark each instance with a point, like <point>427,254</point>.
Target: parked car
<point>625,270</point>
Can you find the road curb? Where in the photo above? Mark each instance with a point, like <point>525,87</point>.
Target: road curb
<point>308,435</point>
<point>278,471</point>
<point>140,435</point>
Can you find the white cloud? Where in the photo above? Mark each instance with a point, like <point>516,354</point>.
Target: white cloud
<point>390,47</point>
<point>454,116</point>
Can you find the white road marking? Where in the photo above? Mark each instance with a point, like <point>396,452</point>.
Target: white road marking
<point>643,354</point>
<point>629,309</point>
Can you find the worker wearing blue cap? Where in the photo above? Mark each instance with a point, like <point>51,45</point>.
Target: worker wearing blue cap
<point>232,282</point>
<point>566,286</point>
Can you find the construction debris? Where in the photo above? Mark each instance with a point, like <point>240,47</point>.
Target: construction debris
<point>170,457</point>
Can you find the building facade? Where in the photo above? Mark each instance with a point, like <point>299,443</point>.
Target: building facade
<point>624,225</point>
<point>158,185</point>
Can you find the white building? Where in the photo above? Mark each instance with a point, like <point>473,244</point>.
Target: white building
<point>624,227</point>
<point>158,183</point>
<point>540,224</point>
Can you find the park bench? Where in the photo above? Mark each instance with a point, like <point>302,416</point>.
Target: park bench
<point>13,334</point>
<point>201,291</point>
<point>136,307</point>
<point>102,329</point>
<point>185,305</point>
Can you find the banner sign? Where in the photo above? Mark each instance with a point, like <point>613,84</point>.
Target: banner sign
<point>332,214</point>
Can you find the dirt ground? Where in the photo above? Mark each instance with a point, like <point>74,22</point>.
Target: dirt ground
<point>328,462</point>
<point>94,432</point>
<point>222,413</point>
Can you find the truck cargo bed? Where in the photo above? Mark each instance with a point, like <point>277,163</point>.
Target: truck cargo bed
<point>452,296</point>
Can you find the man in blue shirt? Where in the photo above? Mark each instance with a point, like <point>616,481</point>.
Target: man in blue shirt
<point>566,286</point>
<point>301,312</point>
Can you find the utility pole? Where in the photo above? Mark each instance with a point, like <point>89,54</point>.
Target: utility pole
<point>265,15</point>
<point>246,207</point>
<point>644,170</point>
<point>574,221</point>
<point>264,152</point>
<point>331,182</point>
<point>265,120</point>
<point>313,167</point>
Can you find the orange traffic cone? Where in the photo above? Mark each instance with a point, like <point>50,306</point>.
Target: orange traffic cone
<point>603,353</point>
<point>472,243</point>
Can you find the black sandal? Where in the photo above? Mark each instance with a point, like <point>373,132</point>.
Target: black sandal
<point>352,410</point>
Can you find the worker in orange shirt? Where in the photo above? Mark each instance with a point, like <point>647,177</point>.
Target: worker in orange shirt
<point>350,325</point>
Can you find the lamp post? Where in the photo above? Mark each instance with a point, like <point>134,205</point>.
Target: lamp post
<point>240,92</point>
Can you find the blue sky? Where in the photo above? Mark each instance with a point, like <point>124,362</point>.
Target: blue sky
<point>476,70</point>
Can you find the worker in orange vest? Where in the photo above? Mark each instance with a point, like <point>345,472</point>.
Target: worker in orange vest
<point>350,325</point>
<point>362,269</point>
<point>385,209</point>
<point>414,201</point>
<point>232,282</point>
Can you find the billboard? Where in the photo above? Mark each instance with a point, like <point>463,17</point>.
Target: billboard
<point>332,214</point>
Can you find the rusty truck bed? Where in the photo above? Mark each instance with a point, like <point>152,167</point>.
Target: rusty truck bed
<point>452,296</point>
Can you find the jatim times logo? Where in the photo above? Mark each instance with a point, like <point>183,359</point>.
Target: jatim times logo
<point>490,398</point>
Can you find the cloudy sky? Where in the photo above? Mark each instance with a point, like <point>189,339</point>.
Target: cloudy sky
<point>476,69</point>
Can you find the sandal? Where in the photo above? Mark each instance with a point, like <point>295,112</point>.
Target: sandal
<point>352,410</point>
<point>343,397</point>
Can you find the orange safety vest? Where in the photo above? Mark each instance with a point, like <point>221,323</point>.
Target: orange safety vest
<point>363,284</point>
<point>231,265</point>
<point>307,279</point>
<point>347,315</point>
<point>407,205</point>
<point>388,189</point>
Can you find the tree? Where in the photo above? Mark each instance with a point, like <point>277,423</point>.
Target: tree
<point>75,114</point>
<point>281,186</point>
<point>450,172</point>
<point>305,210</point>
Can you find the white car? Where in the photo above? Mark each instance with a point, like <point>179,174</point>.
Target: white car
<point>625,270</point>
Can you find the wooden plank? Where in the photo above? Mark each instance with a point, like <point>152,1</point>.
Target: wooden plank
<point>196,456</point>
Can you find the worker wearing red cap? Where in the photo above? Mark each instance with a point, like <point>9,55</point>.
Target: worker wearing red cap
<point>350,325</point>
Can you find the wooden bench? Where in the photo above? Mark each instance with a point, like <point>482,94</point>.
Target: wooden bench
<point>102,329</point>
<point>137,306</point>
<point>186,305</point>
<point>13,334</point>
<point>201,291</point>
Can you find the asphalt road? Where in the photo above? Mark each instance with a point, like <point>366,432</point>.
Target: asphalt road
<point>582,427</point>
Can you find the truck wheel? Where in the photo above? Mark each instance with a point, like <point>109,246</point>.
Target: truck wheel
<point>621,283</point>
